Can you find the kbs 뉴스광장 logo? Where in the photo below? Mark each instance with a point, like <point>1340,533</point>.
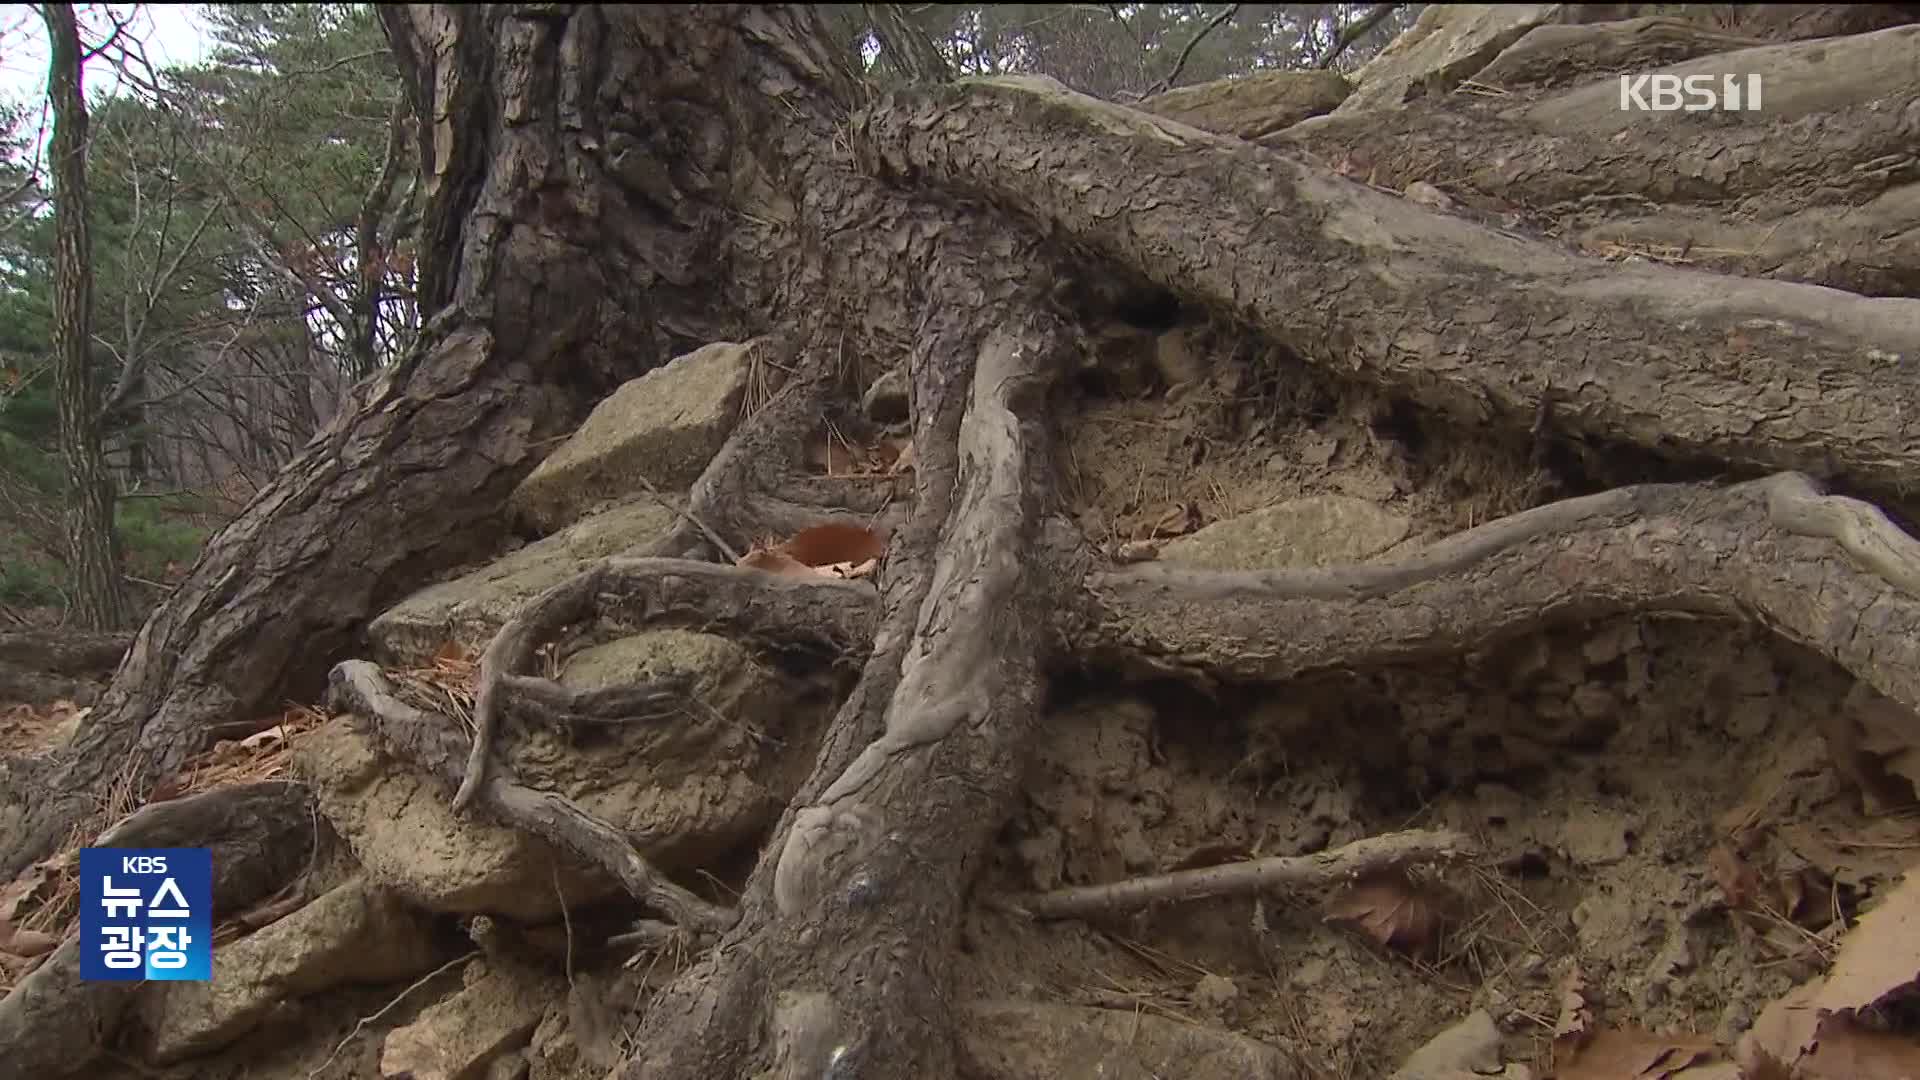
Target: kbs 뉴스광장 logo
<point>146,914</point>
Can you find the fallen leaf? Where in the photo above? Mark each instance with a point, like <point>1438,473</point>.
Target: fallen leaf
<point>453,651</point>
<point>824,545</point>
<point>1576,1012</point>
<point>1180,520</point>
<point>1391,911</point>
<point>775,561</point>
<point>20,942</point>
<point>834,457</point>
<point>1879,957</point>
<point>1846,1051</point>
<point>904,460</point>
<point>1737,880</point>
<point>1629,1054</point>
<point>263,741</point>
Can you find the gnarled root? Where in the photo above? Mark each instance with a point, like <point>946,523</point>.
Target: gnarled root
<point>424,739</point>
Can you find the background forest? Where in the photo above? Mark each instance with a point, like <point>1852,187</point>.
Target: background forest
<point>252,223</point>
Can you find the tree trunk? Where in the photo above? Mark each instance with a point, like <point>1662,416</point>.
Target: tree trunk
<point>611,185</point>
<point>99,600</point>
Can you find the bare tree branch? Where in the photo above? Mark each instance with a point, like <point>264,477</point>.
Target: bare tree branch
<point>1180,64</point>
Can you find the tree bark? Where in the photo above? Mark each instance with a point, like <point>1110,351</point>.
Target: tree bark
<point>99,600</point>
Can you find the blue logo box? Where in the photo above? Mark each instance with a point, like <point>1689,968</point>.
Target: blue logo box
<point>146,913</point>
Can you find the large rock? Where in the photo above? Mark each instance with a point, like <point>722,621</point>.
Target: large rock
<point>352,934</point>
<point>1321,530</point>
<point>493,1013</point>
<point>1446,45</point>
<point>690,785</point>
<point>1255,105</point>
<point>469,609</point>
<point>405,835</point>
<point>664,426</point>
<point>1017,1040</point>
<point>684,786</point>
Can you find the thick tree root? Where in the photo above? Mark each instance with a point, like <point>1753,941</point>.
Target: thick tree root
<point>262,835</point>
<point>1828,572</point>
<point>747,490</point>
<point>1317,871</point>
<point>1470,322</point>
<point>430,742</point>
<point>825,614</point>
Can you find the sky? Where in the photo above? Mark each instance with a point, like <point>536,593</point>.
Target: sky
<point>171,33</point>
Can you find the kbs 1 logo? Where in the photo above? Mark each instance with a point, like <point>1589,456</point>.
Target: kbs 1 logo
<point>1693,93</point>
<point>146,914</point>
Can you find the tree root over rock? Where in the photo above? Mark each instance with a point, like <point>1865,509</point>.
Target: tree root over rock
<point>826,614</point>
<point>1825,571</point>
<point>53,1024</point>
<point>426,740</point>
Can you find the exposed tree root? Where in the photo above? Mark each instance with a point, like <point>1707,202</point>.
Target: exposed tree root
<point>1461,319</point>
<point>828,614</point>
<point>746,491</point>
<point>1829,572</point>
<point>1317,871</point>
<point>428,741</point>
<point>53,1024</point>
<point>864,891</point>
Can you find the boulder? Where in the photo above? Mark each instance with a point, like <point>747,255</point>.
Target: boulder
<point>469,609</point>
<point>1016,1040</point>
<point>683,786</point>
<point>463,1036</point>
<point>355,933</point>
<point>664,426</point>
<point>1446,45</point>
<point>1321,530</point>
<point>404,833</point>
<point>1254,105</point>
<point>691,784</point>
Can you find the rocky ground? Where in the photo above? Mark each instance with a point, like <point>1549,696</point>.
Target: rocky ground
<point>1659,816</point>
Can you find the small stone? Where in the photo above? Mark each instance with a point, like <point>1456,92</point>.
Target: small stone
<point>1426,194</point>
<point>1471,1046</point>
<point>1214,992</point>
<point>1595,838</point>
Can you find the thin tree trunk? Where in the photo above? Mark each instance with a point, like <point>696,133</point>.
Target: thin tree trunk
<point>99,598</point>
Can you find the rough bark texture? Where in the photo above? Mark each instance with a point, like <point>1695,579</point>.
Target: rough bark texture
<point>99,598</point>
<point>610,184</point>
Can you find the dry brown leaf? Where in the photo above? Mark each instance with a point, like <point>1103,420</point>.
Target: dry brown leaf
<point>1576,1012</point>
<point>453,651</point>
<point>834,457</point>
<point>1390,910</point>
<point>1179,520</point>
<point>20,942</point>
<point>261,742</point>
<point>853,570</point>
<point>1867,854</point>
<point>775,561</point>
<point>1878,958</point>
<point>1629,1054</point>
<point>1847,1051</point>
<point>824,545</point>
<point>1737,880</point>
